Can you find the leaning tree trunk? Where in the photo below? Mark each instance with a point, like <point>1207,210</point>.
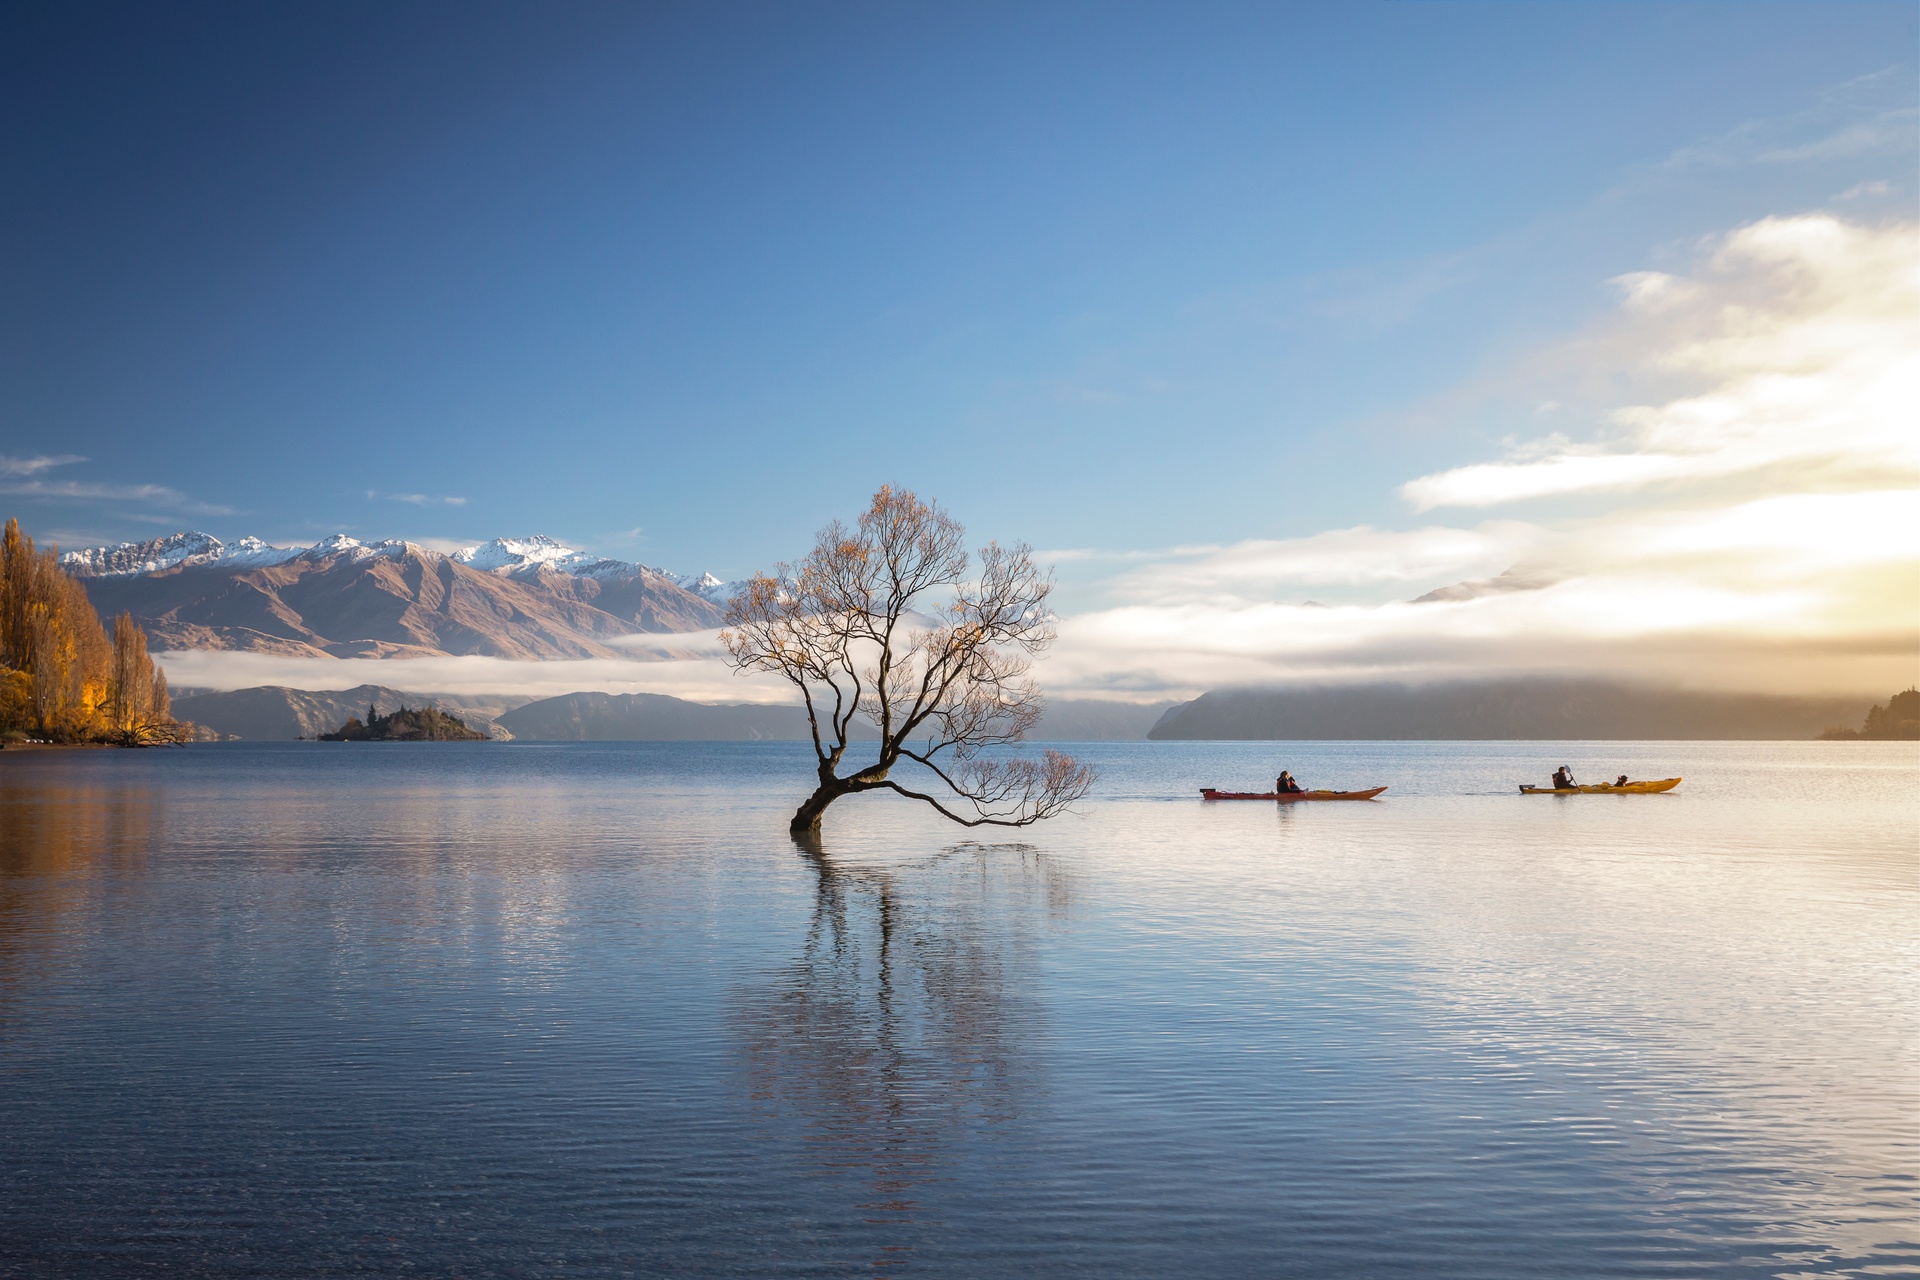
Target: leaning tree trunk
<point>806,819</point>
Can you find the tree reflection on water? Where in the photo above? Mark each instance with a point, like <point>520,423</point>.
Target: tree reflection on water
<point>902,1030</point>
<point>55,840</point>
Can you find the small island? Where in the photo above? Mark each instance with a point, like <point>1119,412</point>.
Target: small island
<point>420,724</point>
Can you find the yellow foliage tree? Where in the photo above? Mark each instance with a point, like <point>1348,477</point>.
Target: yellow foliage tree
<point>138,709</point>
<point>60,677</point>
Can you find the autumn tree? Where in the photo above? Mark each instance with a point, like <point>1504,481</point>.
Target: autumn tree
<point>138,708</point>
<point>50,635</point>
<point>883,621</point>
<point>60,677</point>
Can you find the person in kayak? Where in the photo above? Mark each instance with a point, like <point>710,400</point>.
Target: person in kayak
<point>1620,781</point>
<point>1563,779</point>
<point>1285,782</point>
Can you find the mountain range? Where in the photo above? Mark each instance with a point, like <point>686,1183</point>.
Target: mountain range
<point>275,713</point>
<point>509,598</point>
<point>1532,709</point>
<point>1539,710</point>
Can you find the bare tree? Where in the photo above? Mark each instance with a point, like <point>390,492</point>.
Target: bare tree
<point>882,621</point>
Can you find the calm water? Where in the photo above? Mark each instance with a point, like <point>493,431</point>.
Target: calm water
<point>582,1010</point>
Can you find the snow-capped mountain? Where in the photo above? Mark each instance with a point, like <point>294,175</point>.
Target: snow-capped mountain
<point>355,550</point>
<point>512,555</point>
<point>508,557</point>
<point>711,588</point>
<point>517,556</point>
<point>131,559</point>
<point>511,597</point>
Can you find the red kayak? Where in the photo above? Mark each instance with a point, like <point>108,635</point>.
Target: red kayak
<point>1208,793</point>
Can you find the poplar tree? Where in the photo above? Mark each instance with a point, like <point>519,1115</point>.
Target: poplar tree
<point>60,677</point>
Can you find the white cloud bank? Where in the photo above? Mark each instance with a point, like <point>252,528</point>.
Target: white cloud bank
<point>1793,593</point>
<point>1363,556</point>
<point>684,666</point>
<point>1802,336</point>
<point>1765,530</point>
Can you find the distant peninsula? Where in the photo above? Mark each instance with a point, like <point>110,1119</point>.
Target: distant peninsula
<point>1898,721</point>
<point>420,724</point>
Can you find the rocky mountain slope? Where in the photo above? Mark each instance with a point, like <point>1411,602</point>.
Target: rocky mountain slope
<point>527,598</point>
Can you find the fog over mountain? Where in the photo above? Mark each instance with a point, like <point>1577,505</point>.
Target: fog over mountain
<point>1543,710</point>
<point>275,713</point>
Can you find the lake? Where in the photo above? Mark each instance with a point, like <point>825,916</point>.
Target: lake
<point>583,1010</point>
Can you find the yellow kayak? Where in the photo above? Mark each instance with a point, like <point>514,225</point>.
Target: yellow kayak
<point>1604,789</point>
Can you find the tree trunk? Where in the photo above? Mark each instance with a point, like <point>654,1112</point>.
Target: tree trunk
<point>806,819</point>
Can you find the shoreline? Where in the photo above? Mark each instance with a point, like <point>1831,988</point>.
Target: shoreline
<point>66,746</point>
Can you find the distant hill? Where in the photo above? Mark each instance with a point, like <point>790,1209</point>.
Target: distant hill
<point>1897,721</point>
<point>347,599</point>
<point>651,717</point>
<point>274,713</point>
<point>1517,709</point>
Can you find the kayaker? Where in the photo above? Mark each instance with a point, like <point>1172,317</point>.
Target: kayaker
<point>1620,781</point>
<point>1563,779</point>
<point>1285,782</point>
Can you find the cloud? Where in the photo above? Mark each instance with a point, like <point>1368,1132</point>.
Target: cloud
<point>415,499</point>
<point>1358,557</point>
<point>1799,343</point>
<point>17,466</point>
<point>88,491</point>
<point>16,480</point>
<point>1867,114</point>
<point>1752,526</point>
<point>1884,132</point>
<point>445,546</point>
<point>1071,555</point>
<point>1859,189</point>
<point>1813,592</point>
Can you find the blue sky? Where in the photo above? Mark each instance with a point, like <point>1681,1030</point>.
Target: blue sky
<point>1136,284</point>
<point>1096,275</point>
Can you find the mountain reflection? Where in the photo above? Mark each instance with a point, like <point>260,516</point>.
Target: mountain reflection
<point>903,1028</point>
